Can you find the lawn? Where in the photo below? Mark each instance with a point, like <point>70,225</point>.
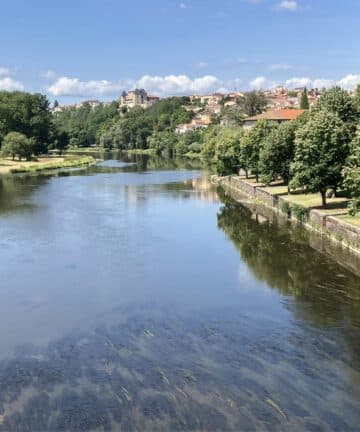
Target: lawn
<point>353,220</point>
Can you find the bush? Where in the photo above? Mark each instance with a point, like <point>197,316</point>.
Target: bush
<point>299,212</point>
<point>284,207</point>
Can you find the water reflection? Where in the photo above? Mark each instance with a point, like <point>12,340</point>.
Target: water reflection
<point>129,308</point>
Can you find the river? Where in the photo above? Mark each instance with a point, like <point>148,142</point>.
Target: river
<point>136,296</point>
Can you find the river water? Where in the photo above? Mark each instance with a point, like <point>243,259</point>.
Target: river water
<point>136,296</point>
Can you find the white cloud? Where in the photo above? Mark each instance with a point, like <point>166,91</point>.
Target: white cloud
<point>65,86</point>
<point>261,83</point>
<point>350,81</point>
<point>183,6</point>
<point>298,82</point>
<point>9,84</point>
<point>279,66</point>
<point>321,83</point>
<point>4,71</point>
<point>178,84</point>
<point>160,85</point>
<point>289,5</point>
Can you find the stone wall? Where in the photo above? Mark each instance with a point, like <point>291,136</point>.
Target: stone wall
<point>336,229</point>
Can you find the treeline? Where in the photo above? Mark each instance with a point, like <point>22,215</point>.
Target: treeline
<point>83,126</point>
<point>317,152</point>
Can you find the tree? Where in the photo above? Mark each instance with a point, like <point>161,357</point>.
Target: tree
<point>228,151</point>
<point>17,144</point>
<point>321,149</point>
<point>56,104</point>
<point>339,102</point>
<point>357,97</point>
<point>254,103</point>
<point>304,101</point>
<point>278,151</point>
<point>253,143</point>
<point>28,114</point>
<point>351,174</point>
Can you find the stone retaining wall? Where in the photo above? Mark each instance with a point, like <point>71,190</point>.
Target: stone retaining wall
<point>336,229</point>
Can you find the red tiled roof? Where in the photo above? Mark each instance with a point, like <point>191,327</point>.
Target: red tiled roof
<point>278,114</point>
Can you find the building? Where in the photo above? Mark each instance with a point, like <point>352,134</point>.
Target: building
<point>197,123</point>
<point>137,97</point>
<point>276,115</point>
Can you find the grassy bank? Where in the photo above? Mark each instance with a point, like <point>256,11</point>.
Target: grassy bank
<point>85,150</point>
<point>45,164</point>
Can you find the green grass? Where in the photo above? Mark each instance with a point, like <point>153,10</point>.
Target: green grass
<point>139,151</point>
<point>313,200</point>
<point>353,220</point>
<point>67,163</point>
<point>85,150</point>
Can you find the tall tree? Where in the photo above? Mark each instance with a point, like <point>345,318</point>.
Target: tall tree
<point>278,151</point>
<point>254,103</point>
<point>253,143</point>
<point>351,174</point>
<point>320,153</point>
<point>304,100</point>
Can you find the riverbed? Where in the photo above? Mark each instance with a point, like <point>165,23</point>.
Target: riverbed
<point>135,295</point>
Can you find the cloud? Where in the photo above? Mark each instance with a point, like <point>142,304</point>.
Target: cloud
<point>65,86</point>
<point>288,5</point>
<point>261,83</point>
<point>279,66</point>
<point>183,6</point>
<point>178,84</point>
<point>298,82</point>
<point>9,84</point>
<point>4,71</point>
<point>350,81</point>
<point>160,85</point>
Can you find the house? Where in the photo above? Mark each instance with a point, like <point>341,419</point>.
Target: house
<point>276,115</point>
<point>137,97</point>
<point>197,123</point>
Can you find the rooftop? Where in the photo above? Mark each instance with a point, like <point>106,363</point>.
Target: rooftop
<point>277,114</point>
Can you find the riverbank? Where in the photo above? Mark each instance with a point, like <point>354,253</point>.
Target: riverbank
<point>43,163</point>
<point>331,221</point>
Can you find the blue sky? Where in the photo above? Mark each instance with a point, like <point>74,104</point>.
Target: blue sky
<point>83,49</point>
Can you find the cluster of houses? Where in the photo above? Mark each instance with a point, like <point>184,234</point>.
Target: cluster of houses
<point>283,105</point>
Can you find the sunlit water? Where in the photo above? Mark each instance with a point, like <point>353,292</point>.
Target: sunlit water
<point>136,297</point>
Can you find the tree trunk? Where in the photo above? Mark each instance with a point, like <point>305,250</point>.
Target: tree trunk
<point>246,174</point>
<point>323,198</point>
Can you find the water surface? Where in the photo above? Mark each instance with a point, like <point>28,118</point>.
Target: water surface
<point>134,296</point>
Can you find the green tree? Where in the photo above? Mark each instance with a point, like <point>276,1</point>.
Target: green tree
<point>304,100</point>
<point>228,151</point>
<point>339,102</point>
<point>17,144</point>
<point>278,151</point>
<point>254,141</point>
<point>351,174</point>
<point>254,103</point>
<point>321,148</point>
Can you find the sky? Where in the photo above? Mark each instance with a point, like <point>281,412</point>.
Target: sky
<point>95,49</point>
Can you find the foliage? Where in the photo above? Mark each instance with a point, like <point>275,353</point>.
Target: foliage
<point>351,174</point>
<point>320,153</point>
<point>339,102</point>
<point>278,151</point>
<point>254,103</point>
<point>139,128</point>
<point>17,144</point>
<point>304,100</point>
<point>28,114</point>
<point>253,144</point>
<point>227,153</point>
<point>83,126</point>
<point>300,212</point>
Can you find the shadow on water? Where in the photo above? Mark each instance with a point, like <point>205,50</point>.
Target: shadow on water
<point>222,368</point>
